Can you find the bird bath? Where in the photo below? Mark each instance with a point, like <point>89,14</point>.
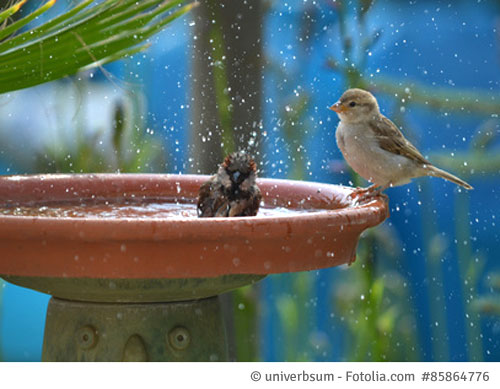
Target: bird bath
<point>135,275</point>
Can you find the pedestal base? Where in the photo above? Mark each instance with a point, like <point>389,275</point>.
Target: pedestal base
<point>176,331</point>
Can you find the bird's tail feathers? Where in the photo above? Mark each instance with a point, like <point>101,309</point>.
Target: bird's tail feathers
<point>436,172</point>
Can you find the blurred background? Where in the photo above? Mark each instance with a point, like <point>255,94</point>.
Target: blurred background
<point>259,75</point>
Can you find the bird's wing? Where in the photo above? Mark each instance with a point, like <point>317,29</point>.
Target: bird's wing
<point>210,199</point>
<point>392,140</point>
<point>222,207</point>
<point>204,201</point>
<point>246,206</point>
<point>257,198</point>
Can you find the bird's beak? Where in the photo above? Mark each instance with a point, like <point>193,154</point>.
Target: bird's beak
<point>236,176</point>
<point>337,107</point>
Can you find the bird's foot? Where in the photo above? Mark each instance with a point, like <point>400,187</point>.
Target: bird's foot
<point>362,195</point>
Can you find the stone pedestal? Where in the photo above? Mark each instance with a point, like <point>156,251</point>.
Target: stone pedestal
<point>176,331</point>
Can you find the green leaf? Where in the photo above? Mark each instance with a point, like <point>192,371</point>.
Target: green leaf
<point>11,28</point>
<point>11,10</point>
<point>36,32</point>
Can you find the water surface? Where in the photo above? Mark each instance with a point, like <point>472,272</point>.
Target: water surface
<point>121,210</point>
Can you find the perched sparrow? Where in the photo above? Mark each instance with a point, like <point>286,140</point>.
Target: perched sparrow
<point>232,191</point>
<point>375,148</point>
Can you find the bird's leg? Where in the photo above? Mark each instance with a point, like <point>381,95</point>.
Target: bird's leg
<point>377,192</point>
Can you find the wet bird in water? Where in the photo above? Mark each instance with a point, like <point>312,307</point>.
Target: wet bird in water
<point>232,191</point>
<point>375,148</point>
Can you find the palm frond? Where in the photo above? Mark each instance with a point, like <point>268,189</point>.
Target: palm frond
<point>83,37</point>
<point>11,10</point>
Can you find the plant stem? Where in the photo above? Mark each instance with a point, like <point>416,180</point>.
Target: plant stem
<point>437,307</point>
<point>469,274</point>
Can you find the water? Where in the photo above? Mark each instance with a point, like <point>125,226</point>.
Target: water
<point>121,210</point>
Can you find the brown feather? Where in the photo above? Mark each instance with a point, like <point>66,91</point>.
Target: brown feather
<point>392,140</point>
<point>436,172</point>
<point>208,204</point>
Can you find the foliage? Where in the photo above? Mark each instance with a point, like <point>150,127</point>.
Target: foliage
<point>490,304</point>
<point>85,36</point>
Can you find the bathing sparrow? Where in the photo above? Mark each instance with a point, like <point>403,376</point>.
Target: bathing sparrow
<point>232,191</point>
<point>375,148</point>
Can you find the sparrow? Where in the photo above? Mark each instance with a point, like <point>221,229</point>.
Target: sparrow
<point>376,149</point>
<point>232,191</point>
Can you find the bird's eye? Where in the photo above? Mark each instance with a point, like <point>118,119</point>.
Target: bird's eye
<point>352,104</point>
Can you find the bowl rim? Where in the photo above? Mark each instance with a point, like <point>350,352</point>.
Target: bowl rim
<point>368,214</point>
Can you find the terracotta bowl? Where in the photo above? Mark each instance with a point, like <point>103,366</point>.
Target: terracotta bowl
<point>127,258</point>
